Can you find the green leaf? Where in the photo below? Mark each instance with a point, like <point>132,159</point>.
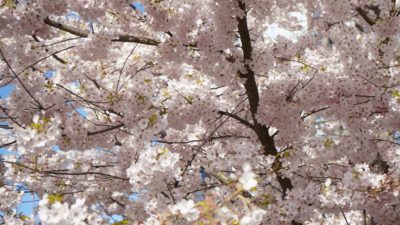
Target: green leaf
<point>152,120</point>
<point>163,151</point>
<point>305,68</point>
<point>328,143</point>
<point>396,94</point>
<point>23,217</point>
<point>122,222</point>
<point>189,99</point>
<point>142,99</point>
<point>55,198</point>
<point>9,4</point>
<point>164,110</point>
<point>40,125</point>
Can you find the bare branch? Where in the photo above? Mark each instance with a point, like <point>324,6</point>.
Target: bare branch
<point>313,112</point>
<point>45,57</point>
<point>105,130</point>
<point>364,15</point>
<point>6,127</point>
<point>55,172</point>
<point>85,34</point>
<point>10,117</point>
<point>8,144</point>
<point>377,85</point>
<point>387,141</point>
<point>242,121</point>
<point>20,81</point>
<point>123,66</point>
<point>199,140</point>
<point>54,56</point>
<point>344,216</point>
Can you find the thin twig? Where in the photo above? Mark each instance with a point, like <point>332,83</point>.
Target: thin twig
<point>123,66</point>
<point>388,141</point>
<point>54,56</point>
<point>10,117</point>
<point>314,111</point>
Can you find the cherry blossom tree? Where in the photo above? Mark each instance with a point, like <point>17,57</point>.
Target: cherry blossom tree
<point>190,112</point>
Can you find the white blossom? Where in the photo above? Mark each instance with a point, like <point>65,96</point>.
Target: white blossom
<point>187,209</point>
<point>248,178</point>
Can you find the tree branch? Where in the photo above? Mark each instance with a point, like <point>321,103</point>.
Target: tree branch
<point>106,129</point>
<point>242,121</point>
<point>52,172</point>
<point>364,15</point>
<point>10,117</point>
<point>56,57</point>
<point>85,34</point>
<point>40,106</point>
<point>8,144</point>
<point>252,93</point>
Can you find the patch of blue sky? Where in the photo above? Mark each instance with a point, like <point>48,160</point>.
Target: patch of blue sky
<point>199,196</point>
<point>154,142</point>
<point>134,196</point>
<point>138,6</point>
<point>73,15</point>
<point>92,22</point>
<point>4,151</point>
<point>75,83</point>
<point>396,137</point>
<point>49,73</point>
<point>28,203</point>
<point>55,148</point>
<point>115,218</point>
<point>6,90</point>
<point>82,112</point>
<point>104,150</point>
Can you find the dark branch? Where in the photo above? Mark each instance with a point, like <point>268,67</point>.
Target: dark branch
<point>387,141</point>
<point>242,121</point>
<point>253,96</point>
<point>20,81</point>
<point>364,15</point>
<point>55,172</point>
<point>85,34</point>
<point>305,115</point>
<point>10,117</point>
<point>6,127</point>
<point>56,57</point>
<point>105,130</point>
<point>200,140</point>
<point>8,144</point>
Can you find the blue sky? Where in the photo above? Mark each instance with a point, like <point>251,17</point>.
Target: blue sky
<point>30,201</point>
<point>6,90</point>
<point>138,6</point>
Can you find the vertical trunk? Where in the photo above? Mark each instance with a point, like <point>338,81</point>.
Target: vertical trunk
<point>250,85</point>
